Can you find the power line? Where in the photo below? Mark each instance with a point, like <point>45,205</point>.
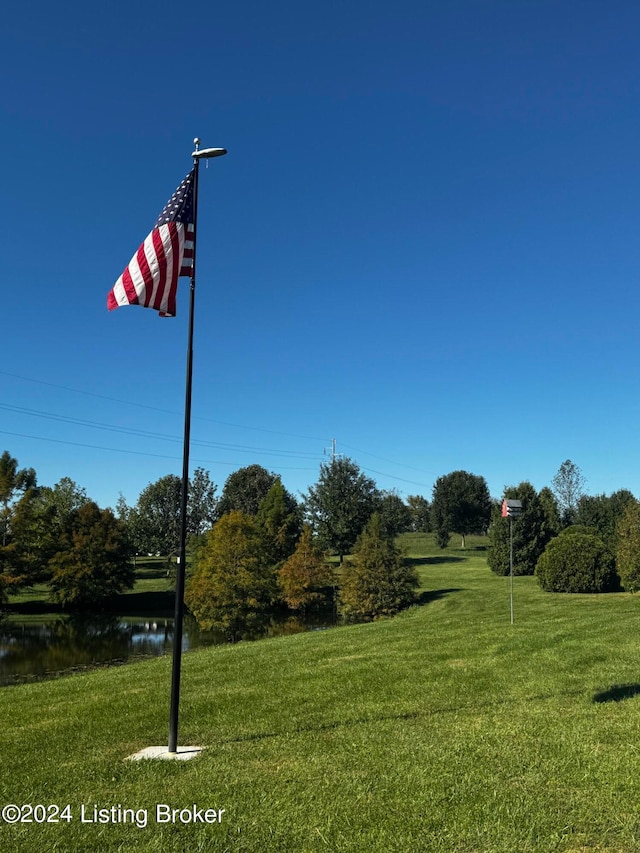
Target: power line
<point>156,408</point>
<point>133,452</point>
<point>157,436</point>
<point>302,455</point>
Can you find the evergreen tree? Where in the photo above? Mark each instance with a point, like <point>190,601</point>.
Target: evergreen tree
<point>603,513</point>
<point>278,524</point>
<point>377,580</point>
<point>532,530</point>
<point>551,513</point>
<point>576,561</point>
<point>628,547</point>
<point>306,578</point>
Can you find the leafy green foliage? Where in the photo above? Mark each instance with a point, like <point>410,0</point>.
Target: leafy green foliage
<point>92,559</point>
<point>12,481</point>
<point>306,578</point>
<point>35,530</point>
<point>628,547</point>
<point>602,513</point>
<point>155,522</point>
<point>576,562</point>
<point>532,530</point>
<point>245,489</point>
<point>232,588</point>
<point>340,504</point>
<point>278,524</point>
<point>377,580</point>
<point>202,503</point>
<point>420,512</point>
<point>394,514</point>
<point>461,504</point>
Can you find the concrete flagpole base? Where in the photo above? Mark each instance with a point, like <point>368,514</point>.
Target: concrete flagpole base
<point>184,753</point>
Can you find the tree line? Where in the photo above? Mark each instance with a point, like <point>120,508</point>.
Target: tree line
<point>571,541</point>
<point>252,549</point>
<point>255,547</point>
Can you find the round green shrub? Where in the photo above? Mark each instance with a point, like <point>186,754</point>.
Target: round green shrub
<point>578,562</point>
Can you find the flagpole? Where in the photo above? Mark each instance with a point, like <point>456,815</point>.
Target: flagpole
<point>184,498</point>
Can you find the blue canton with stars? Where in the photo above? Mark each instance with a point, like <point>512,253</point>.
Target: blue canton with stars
<point>179,208</point>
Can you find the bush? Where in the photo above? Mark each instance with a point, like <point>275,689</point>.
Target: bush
<point>576,562</point>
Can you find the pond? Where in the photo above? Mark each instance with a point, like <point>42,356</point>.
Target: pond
<point>32,648</point>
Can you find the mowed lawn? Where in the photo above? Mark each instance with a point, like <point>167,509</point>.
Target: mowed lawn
<point>444,729</point>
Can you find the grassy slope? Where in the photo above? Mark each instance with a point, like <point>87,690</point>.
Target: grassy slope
<point>445,729</point>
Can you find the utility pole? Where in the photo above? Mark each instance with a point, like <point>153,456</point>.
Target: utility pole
<point>333,450</point>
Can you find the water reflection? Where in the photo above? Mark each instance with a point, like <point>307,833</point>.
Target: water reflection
<point>57,644</point>
<point>31,649</point>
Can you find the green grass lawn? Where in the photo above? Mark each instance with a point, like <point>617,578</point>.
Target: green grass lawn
<point>446,729</point>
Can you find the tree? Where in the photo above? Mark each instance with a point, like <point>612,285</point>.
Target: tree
<point>306,578</point>
<point>202,503</point>
<point>12,481</point>
<point>377,580</point>
<point>65,496</point>
<point>92,562</point>
<point>568,487</point>
<point>231,589</point>
<point>461,504</point>
<point>278,524</point>
<point>603,513</point>
<point>550,511</point>
<point>628,547</point>
<point>394,514</point>
<point>24,560</point>
<point>532,531</point>
<point>340,504</point>
<point>576,562</point>
<point>244,489</point>
<point>157,517</point>
<point>420,512</point>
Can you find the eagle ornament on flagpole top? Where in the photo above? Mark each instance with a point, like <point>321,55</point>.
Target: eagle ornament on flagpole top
<point>151,280</point>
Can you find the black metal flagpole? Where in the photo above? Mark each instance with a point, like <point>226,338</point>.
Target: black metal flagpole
<point>184,499</point>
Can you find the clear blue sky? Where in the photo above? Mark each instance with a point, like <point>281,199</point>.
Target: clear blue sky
<point>424,241</point>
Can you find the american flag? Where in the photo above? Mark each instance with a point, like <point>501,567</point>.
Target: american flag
<point>151,277</point>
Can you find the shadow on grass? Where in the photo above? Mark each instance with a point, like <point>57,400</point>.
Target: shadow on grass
<point>134,604</point>
<point>432,561</point>
<point>617,693</point>
<point>32,608</point>
<point>429,595</point>
<point>143,604</point>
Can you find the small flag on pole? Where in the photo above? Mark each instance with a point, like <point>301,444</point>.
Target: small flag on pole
<point>151,277</point>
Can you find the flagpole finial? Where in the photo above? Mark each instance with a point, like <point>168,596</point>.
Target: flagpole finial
<point>196,142</point>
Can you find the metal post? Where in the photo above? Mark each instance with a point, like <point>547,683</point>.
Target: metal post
<point>184,498</point>
<point>511,562</point>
